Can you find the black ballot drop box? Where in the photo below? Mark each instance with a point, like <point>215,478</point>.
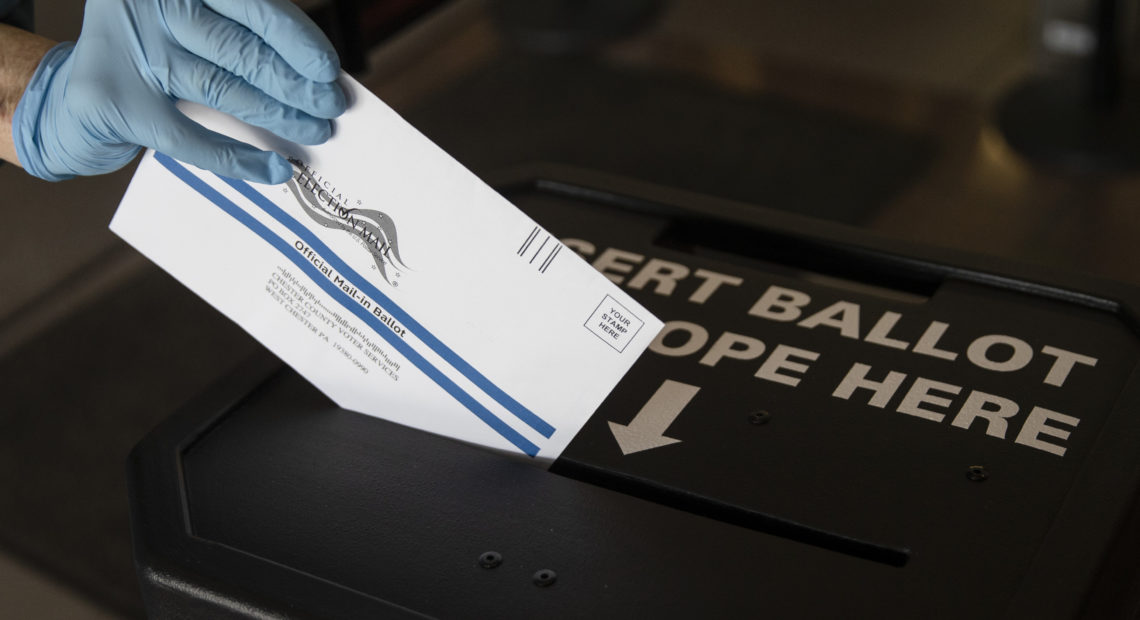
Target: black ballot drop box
<point>830,426</point>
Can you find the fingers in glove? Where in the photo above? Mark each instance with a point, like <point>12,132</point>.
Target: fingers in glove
<point>185,140</point>
<point>234,47</point>
<point>285,28</point>
<point>206,83</point>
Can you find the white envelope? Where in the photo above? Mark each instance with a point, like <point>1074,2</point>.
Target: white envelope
<point>395,281</point>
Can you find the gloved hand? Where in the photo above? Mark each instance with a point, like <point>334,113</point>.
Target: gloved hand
<point>90,105</point>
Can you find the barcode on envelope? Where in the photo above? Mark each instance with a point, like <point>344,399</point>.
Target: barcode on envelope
<point>539,248</point>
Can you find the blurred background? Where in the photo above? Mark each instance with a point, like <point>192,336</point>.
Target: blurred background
<point>1006,128</point>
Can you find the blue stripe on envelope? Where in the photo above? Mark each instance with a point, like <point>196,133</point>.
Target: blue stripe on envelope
<point>413,326</point>
<point>488,418</point>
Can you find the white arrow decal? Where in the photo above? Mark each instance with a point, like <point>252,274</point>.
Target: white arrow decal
<point>647,429</point>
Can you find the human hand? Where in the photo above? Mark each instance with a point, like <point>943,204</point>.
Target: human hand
<point>90,105</point>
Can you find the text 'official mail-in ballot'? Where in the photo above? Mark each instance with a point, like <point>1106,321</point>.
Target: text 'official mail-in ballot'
<point>396,281</point>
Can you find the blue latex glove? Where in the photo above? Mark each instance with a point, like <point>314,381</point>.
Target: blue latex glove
<point>90,105</point>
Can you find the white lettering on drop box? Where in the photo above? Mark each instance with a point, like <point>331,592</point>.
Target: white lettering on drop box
<point>395,281</point>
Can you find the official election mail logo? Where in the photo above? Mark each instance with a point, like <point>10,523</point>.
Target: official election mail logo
<point>375,230</point>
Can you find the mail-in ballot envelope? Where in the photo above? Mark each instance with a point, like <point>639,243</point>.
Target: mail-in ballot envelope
<point>396,281</point>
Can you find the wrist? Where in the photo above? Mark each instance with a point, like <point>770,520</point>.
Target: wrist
<point>28,139</point>
<point>20,54</point>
